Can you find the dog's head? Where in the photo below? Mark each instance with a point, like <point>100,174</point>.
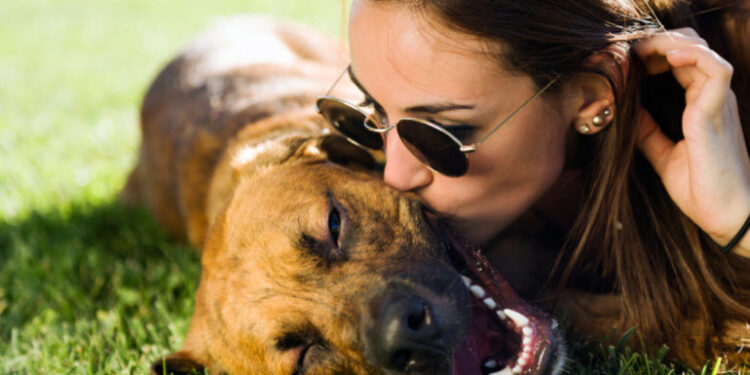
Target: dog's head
<point>314,268</point>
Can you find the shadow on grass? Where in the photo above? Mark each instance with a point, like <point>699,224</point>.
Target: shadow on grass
<point>81,260</point>
<point>622,356</point>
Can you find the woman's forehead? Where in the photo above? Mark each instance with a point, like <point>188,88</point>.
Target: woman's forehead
<point>392,44</point>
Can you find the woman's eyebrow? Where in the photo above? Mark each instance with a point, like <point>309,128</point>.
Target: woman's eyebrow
<point>437,108</point>
<point>426,108</point>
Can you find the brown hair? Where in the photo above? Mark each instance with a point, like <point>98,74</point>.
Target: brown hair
<point>628,230</point>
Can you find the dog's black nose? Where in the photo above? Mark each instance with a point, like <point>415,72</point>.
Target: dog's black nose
<point>409,336</point>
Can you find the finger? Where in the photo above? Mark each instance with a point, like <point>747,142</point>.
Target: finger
<point>662,42</point>
<point>652,51</point>
<point>707,61</point>
<point>705,71</point>
<point>652,142</point>
<point>687,31</point>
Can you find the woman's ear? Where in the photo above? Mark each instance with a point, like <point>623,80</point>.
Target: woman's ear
<point>596,101</point>
<point>596,111</point>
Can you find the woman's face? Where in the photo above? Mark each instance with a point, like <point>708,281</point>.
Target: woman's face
<point>404,61</point>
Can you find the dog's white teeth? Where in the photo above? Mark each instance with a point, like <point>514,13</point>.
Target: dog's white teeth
<point>505,371</point>
<point>467,281</point>
<point>501,315</point>
<point>527,331</point>
<point>526,347</point>
<point>490,303</point>
<point>521,362</point>
<point>518,318</point>
<point>517,369</point>
<point>490,364</point>
<point>477,291</point>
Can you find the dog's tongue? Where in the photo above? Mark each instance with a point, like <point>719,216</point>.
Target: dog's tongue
<point>466,359</point>
<point>489,335</point>
<point>465,362</point>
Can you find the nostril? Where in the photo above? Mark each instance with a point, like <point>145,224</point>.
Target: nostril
<point>408,336</point>
<point>418,319</point>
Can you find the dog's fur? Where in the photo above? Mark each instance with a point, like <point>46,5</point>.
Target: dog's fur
<point>202,100</point>
<point>235,160</point>
<point>601,316</point>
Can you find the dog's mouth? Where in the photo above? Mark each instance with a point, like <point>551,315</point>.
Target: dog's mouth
<point>507,335</point>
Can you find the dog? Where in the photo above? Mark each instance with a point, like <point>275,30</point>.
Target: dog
<point>310,263</point>
<point>599,316</point>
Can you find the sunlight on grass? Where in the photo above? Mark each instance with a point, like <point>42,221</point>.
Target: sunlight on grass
<point>71,77</point>
<point>86,285</point>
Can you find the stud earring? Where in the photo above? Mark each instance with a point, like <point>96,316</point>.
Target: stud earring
<point>598,120</point>
<point>584,129</point>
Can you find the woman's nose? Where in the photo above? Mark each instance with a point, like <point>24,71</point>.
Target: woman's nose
<point>402,170</point>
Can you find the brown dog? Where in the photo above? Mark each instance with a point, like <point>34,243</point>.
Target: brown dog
<point>601,315</point>
<point>311,264</point>
<point>524,258</point>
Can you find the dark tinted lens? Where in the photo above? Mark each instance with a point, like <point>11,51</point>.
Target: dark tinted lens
<point>349,122</point>
<point>433,148</point>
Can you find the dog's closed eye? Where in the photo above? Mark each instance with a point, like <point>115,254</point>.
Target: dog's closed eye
<point>296,339</point>
<point>307,343</point>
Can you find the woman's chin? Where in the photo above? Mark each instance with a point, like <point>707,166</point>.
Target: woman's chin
<point>476,231</point>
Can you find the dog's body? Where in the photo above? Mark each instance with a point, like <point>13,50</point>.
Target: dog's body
<point>235,160</point>
<point>311,264</point>
<point>524,257</point>
<point>602,316</point>
<point>203,98</point>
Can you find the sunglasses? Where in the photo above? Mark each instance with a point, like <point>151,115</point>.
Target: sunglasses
<point>430,143</point>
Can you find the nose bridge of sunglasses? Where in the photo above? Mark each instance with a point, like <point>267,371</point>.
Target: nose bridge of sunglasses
<point>375,124</point>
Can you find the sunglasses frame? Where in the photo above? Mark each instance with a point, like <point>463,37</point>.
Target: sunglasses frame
<point>465,149</point>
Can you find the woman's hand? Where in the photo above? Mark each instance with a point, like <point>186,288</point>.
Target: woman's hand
<point>707,174</point>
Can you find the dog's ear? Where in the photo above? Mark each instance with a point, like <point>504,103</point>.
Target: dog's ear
<point>337,149</point>
<point>318,148</point>
<point>179,363</point>
<point>249,159</point>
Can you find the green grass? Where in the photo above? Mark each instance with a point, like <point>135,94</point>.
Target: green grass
<point>621,359</point>
<point>86,285</point>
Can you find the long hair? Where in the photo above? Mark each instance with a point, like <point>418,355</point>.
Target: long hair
<point>628,229</point>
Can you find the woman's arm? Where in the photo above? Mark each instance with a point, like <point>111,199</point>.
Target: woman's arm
<point>707,173</point>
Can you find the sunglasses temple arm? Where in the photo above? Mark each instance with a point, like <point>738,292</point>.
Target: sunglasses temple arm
<point>529,100</point>
<point>341,75</point>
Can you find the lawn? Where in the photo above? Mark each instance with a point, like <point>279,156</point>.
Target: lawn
<point>88,286</point>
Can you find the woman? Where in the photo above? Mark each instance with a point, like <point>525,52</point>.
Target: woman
<point>566,80</point>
